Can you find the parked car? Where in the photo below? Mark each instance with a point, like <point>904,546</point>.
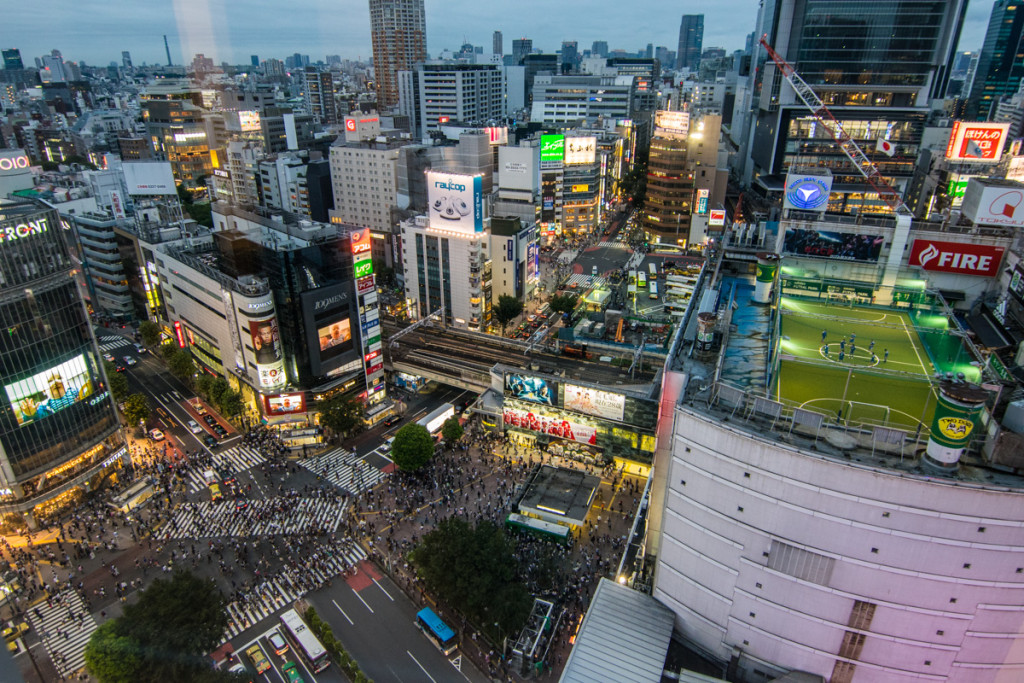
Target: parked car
<point>209,419</point>
<point>156,435</point>
<point>210,440</point>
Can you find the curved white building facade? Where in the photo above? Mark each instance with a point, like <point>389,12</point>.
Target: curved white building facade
<point>776,558</point>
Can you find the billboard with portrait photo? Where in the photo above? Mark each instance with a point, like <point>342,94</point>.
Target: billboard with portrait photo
<point>593,402</point>
<point>267,354</point>
<point>285,404</point>
<point>840,246</point>
<point>533,389</point>
<point>335,338</point>
<point>332,337</point>
<point>50,391</point>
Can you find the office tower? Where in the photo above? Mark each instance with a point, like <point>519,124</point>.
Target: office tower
<point>520,48</point>
<point>319,94</point>
<point>691,40</point>
<point>399,37</point>
<point>498,47</point>
<point>570,55</point>
<point>1000,66</point>
<point>878,81</point>
<point>442,92</point>
<point>126,59</point>
<point>649,51</point>
<point>534,64</point>
<point>254,60</point>
<point>59,432</point>
<point>12,59</point>
<point>52,70</point>
<point>599,48</point>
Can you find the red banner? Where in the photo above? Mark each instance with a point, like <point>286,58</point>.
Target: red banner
<point>957,257</point>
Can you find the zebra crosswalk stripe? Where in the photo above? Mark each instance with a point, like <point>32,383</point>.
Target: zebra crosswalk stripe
<point>63,636</point>
<point>263,517</point>
<point>238,458</point>
<point>345,470</point>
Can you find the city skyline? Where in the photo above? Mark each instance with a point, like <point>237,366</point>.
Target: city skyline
<point>231,33</point>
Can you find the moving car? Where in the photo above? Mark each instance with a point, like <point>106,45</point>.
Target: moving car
<point>129,361</point>
<point>255,655</point>
<point>278,642</point>
<point>292,672</point>
<point>140,348</point>
<point>210,440</point>
<point>194,427</point>
<point>109,357</point>
<point>156,435</point>
<point>120,368</point>
<point>392,420</point>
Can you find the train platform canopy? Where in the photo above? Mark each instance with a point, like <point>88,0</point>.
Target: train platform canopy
<point>559,495</point>
<point>624,638</point>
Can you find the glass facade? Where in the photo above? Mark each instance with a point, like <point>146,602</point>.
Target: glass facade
<point>667,206</point>
<point>56,412</point>
<point>1001,62</point>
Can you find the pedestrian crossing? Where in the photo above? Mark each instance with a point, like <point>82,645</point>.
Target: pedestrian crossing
<point>238,458</point>
<point>614,245</point>
<point>262,517</point>
<point>65,626</point>
<point>345,470</point>
<point>580,280</point>
<point>109,344</point>
<point>289,585</point>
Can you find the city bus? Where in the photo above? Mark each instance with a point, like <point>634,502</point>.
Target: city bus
<point>654,290</point>
<point>641,280</point>
<point>312,652</point>
<point>653,270</point>
<point>435,420</point>
<point>539,528</point>
<point>632,277</point>
<point>440,633</point>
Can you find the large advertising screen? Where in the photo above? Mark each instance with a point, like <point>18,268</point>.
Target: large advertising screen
<point>285,404</point>
<point>550,425</point>
<point>534,389</point>
<point>249,120</point>
<point>580,150</point>
<point>677,122</point>
<point>266,344</point>
<point>841,246</point>
<point>593,402</point>
<point>957,257</point>
<point>552,147</point>
<point>149,177</point>
<point>50,391</point>
<point>456,202</point>
<point>335,338</point>
<point>974,141</point>
<point>331,334</point>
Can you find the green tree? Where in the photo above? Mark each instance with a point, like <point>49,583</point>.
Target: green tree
<point>136,409</point>
<point>180,364</point>
<point>150,333</point>
<point>507,309</point>
<point>112,657</point>
<point>218,388</point>
<point>452,430</point>
<point>563,303</point>
<point>474,570</point>
<point>230,403</point>
<point>109,368</point>
<point>204,385</point>
<point>118,386</point>
<point>341,414</point>
<point>412,448</point>
<point>167,351</point>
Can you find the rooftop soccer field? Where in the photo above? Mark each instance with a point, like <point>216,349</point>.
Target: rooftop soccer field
<point>872,364</point>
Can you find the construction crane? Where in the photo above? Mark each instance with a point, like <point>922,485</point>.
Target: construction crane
<point>823,116</point>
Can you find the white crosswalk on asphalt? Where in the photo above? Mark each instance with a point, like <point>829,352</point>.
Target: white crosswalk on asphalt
<point>580,280</point>
<point>69,616</point>
<point>613,245</point>
<point>110,344</point>
<point>238,458</point>
<point>262,517</point>
<point>288,586</point>
<point>345,470</point>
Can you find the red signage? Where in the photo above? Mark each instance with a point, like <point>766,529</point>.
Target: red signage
<point>371,355</point>
<point>350,125</point>
<point>970,140</point>
<point>374,368</point>
<point>365,284</point>
<point>178,334</point>
<point>957,257</point>
<point>361,242</point>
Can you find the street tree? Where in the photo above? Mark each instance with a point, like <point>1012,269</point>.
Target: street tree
<point>507,309</point>
<point>474,570</point>
<point>412,448</point>
<point>180,364</point>
<point>150,333</point>
<point>563,303</point>
<point>112,657</point>
<point>204,385</point>
<point>118,386</point>
<point>341,414</point>
<point>231,403</point>
<point>218,388</point>
<point>452,430</point>
<point>136,409</point>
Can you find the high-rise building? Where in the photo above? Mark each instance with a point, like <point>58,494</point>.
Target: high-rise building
<point>254,60</point>
<point>12,59</point>
<point>520,48</point>
<point>364,180</point>
<point>498,46</point>
<point>667,204</point>
<point>59,430</point>
<point>691,40</point>
<point>399,37</point>
<point>599,48</point>
<point>126,59</point>
<point>1001,63</point>
<point>319,93</point>
<point>568,99</point>
<point>449,92</point>
<point>570,55</point>
<point>876,87</point>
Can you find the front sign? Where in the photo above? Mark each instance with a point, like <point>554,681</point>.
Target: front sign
<point>580,150</point>
<point>957,257</point>
<point>594,402</point>
<point>552,147</point>
<point>975,141</point>
<point>455,201</point>
<point>550,425</point>
<point>702,201</point>
<point>717,218</point>
<point>807,192</point>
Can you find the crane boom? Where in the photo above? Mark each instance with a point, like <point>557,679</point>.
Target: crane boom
<point>846,143</point>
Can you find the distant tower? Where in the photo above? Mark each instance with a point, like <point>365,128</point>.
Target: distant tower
<point>12,59</point>
<point>499,44</point>
<point>691,40</point>
<point>398,32</point>
<point>254,60</point>
<point>126,59</point>
<point>520,48</point>
<point>168,49</point>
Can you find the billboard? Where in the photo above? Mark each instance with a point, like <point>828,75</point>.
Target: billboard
<point>841,246</point>
<point>716,218</point>
<point>533,389</point>
<point>580,150</point>
<point>498,135</point>
<point>994,202</point>
<point>266,344</point>
<point>702,202</point>
<point>593,402</point>
<point>14,162</point>
<point>149,177</point>
<point>807,192</point>
<point>249,120</point>
<point>957,257</point>
<point>552,426</point>
<point>50,391</point>
<point>335,338</point>
<point>456,202</point>
<point>677,122</point>
<point>975,141</point>
<point>285,404</point>
<point>552,147</point>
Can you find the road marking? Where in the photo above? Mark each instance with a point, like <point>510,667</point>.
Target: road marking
<point>384,591</point>
<point>363,601</point>
<point>420,666</point>
<point>343,613</point>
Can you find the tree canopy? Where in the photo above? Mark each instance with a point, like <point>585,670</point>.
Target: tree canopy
<point>180,364</point>
<point>118,386</point>
<point>162,637</point>
<point>341,414</point>
<point>412,448</point>
<point>563,303</point>
<point>474,570</point>
<point>150,333</point>
<point>136,409</point>
<point>452,429</point>
<point>507,309</point>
